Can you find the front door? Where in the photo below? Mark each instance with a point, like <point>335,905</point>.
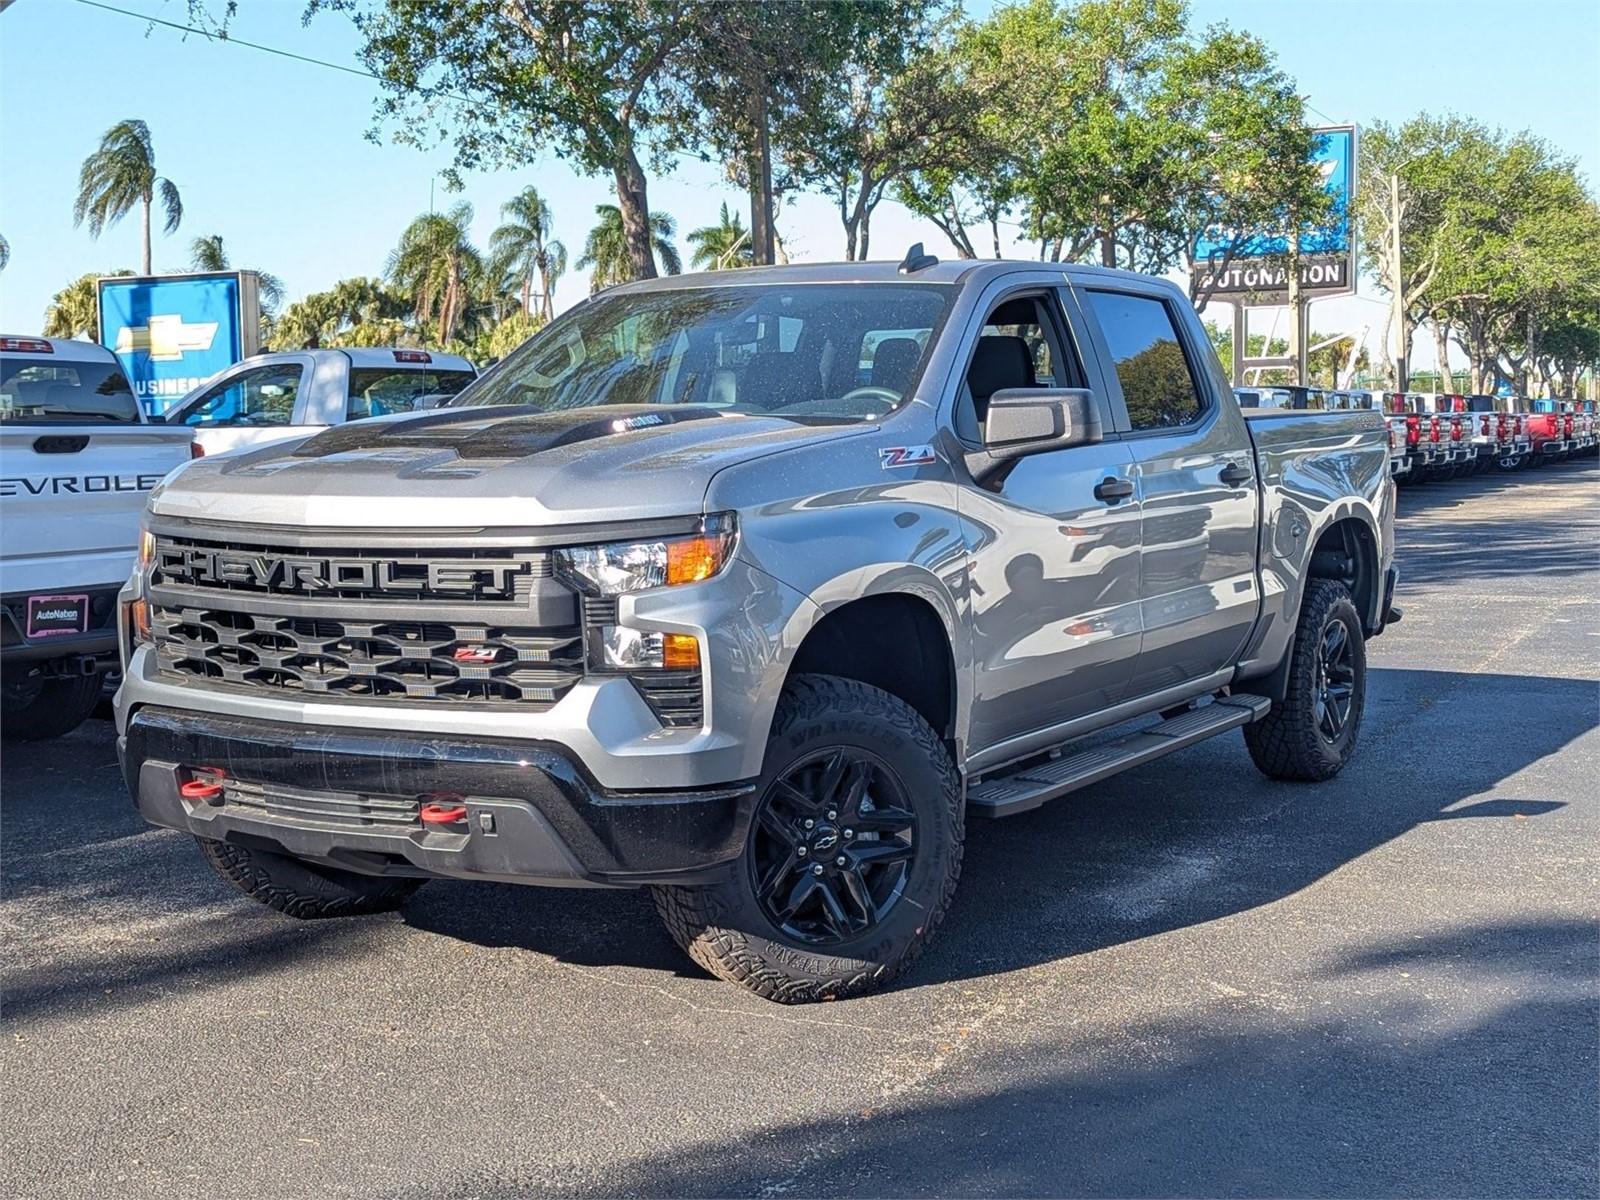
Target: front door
<point>1054,547</point>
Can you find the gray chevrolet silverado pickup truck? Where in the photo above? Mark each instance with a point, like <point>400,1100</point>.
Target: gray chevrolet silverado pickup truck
<point>751,588</point>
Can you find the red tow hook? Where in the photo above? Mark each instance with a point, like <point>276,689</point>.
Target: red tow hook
<point>442,812</point>
<point>205,784</point>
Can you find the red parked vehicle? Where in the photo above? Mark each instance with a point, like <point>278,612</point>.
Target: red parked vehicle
<point>1551,430</point>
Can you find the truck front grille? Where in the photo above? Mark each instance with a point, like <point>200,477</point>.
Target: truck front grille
<point>369,659</point>
<point>463,625</point>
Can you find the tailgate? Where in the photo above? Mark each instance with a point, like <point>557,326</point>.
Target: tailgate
<point>71,497</point>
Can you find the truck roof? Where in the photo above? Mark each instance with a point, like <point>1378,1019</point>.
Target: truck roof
<point>399,357</point>
<point>953,271</point>
<point>65,349</point>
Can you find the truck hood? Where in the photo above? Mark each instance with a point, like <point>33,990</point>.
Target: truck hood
<point>470,468</point>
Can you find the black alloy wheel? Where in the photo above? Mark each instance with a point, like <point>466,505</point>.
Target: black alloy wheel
<point>1336,681</point>
<point>833,845</point>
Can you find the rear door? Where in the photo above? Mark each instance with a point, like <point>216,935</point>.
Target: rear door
<point>251,406</point>
<point>77,463</point>
<point>1199,590</point>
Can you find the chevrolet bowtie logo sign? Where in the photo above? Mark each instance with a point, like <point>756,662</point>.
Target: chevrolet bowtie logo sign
<point>166,337</point>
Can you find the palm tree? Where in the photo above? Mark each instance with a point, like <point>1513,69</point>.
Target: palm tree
<point>605,251</point>
<point>722,246</point>
<point>120,174</point>
<point>5,253</point>
<point>438,267</point>
<point>75,310</point>
<point>206,254</point>
<point>524,244</point>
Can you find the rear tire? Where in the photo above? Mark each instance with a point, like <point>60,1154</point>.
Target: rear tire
<point>1311,733</point>
<point>308,891</point>
<point>33,710</point>
<point>855,783</point>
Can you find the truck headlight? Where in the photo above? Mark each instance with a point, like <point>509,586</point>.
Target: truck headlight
<point>616,567</point>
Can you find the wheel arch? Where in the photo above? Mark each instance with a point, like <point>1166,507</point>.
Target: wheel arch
<point>1346,548</point>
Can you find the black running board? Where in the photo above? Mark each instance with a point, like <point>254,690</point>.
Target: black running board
<point>1005,795</point>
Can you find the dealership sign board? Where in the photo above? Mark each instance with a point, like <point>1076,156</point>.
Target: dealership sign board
<point>1250,267</point>
<point>173,332</point>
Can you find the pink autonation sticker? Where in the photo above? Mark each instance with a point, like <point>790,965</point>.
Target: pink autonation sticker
<point>50,616</point>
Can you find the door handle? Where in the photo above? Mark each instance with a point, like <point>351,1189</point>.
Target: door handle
<point>1112,489</point>
<point>1234,475</point>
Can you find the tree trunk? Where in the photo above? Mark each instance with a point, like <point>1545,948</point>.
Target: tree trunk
<point>762,248</point>
<point>994,232</point>
<point>1108,250</point>
<point>1441,350</point>
<point>866,234</point>
<point>633,202</point>
<point>144,258</point>
<point>527,293</point>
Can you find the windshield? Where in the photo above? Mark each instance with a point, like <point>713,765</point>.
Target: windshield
<point>64,393</point>
<point>809,352</point>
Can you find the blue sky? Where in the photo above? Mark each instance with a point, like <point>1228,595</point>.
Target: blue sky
<point>272,155</point>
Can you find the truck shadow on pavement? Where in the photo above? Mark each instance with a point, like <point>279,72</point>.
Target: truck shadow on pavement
<point>1389,1092</point>
<point>1190,839</point>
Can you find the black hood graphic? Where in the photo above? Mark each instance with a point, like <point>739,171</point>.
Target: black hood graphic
<point>500,433</point>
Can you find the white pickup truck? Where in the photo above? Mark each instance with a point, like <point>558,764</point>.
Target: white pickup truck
<point>290,394</point>
<point>77,461</point>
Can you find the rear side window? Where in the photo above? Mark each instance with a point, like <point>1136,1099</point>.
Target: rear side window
<point>65,393</point>
<point>379,391</point>
<point>1157,380</point>
<point>262,396</point>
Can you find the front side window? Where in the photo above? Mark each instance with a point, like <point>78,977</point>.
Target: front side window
<point>262,396</point>
<point>1157,382</point>
<point>797,351</point>
<point>65,393</point>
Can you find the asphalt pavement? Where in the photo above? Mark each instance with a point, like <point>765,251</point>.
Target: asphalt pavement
<point>1188,980</point>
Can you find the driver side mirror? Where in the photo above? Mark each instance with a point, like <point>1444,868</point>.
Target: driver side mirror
<point>1024,421</point>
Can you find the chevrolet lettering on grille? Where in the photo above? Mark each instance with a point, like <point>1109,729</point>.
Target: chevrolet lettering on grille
<point>319,573</point>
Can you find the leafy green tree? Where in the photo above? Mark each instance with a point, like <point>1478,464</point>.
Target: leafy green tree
<point>437,266</point>
<point>752,73</point>
<point>606,255</point>
<point>207,254</point>
<point>509,80</point>
<point>523,244</point>
<point>74,311</point>
<point>120,174</point>
<point>889,111</point>
<point>723,245</point>
<point>354,312</point>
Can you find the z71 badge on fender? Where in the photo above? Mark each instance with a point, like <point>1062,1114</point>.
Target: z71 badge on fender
<point>906,456</point>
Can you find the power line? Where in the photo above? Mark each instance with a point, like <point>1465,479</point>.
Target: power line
<point>279,51</point>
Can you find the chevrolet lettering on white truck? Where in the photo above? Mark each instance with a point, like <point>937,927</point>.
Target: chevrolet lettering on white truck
<point>77,461</point>
<point>751,588</point>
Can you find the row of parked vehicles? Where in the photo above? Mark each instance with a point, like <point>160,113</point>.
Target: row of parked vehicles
<point>1443,435</point>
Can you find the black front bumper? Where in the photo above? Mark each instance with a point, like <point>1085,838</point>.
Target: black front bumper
<point>351,798</point>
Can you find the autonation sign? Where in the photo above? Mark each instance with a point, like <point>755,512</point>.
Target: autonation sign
<point>1250,264</point>
<point>173,332</point>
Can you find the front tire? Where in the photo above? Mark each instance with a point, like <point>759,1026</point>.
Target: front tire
<point>853,853</point>
<point>1311,733</point>
<point>33,710</point>
<point>308,891</point>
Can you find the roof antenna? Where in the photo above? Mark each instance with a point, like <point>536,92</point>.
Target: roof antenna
<point>915,260</point>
